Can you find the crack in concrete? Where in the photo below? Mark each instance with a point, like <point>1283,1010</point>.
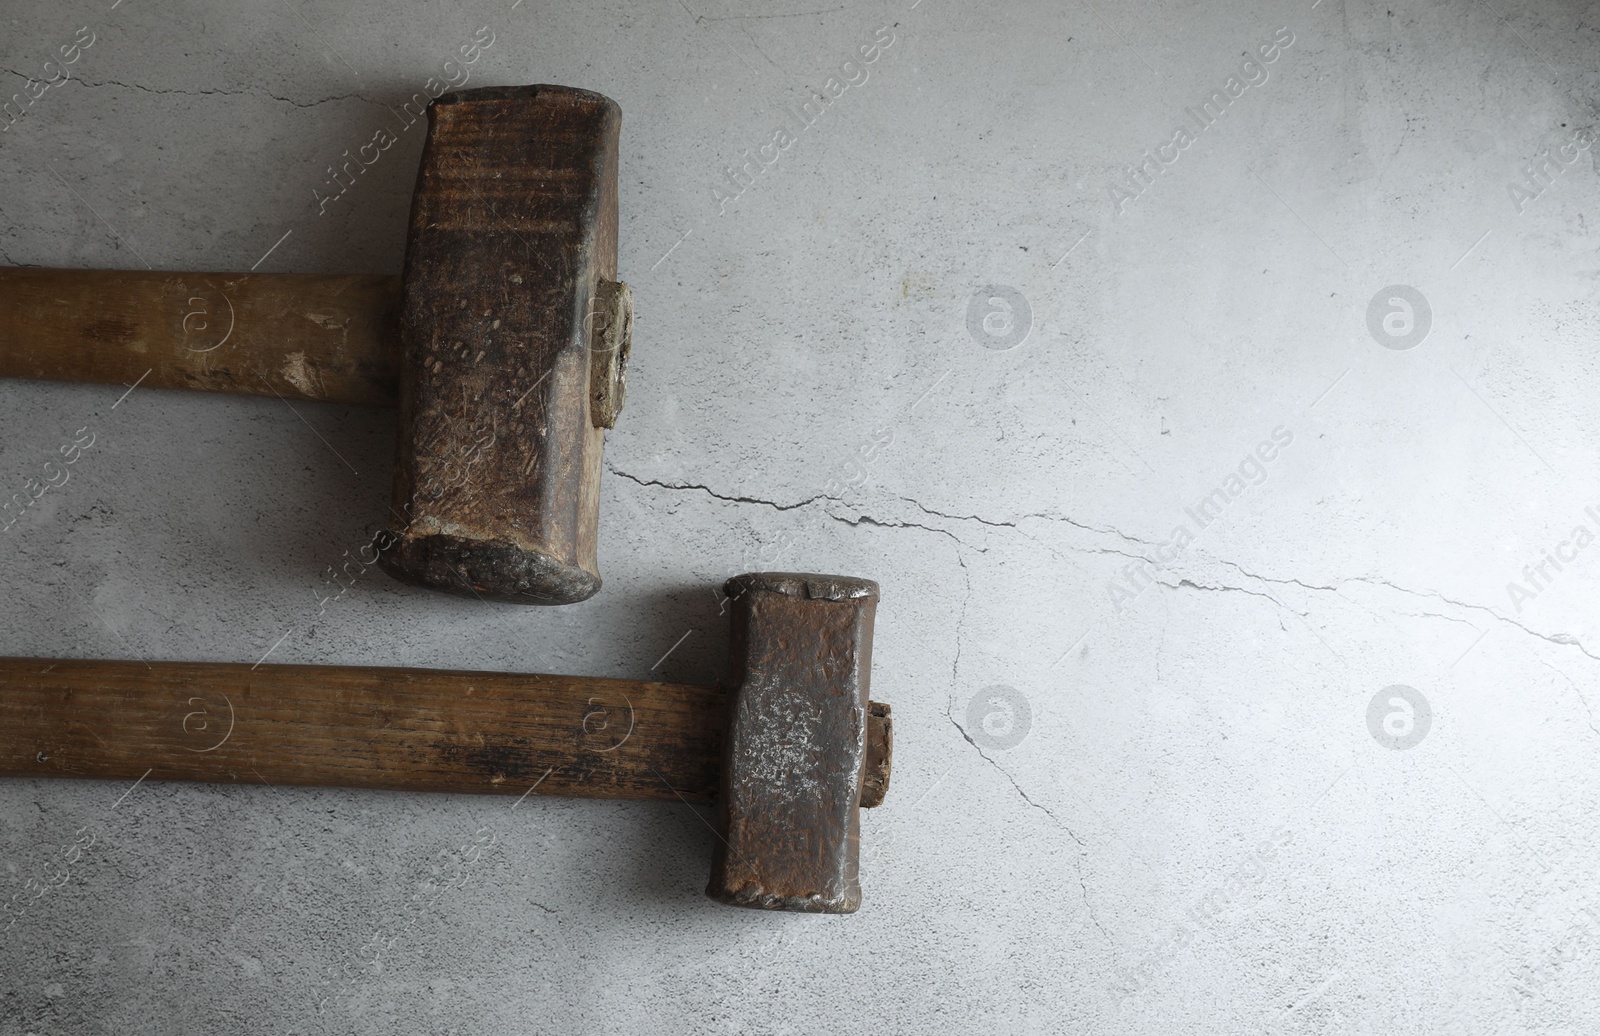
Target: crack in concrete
<point>1041,516</point>
<point>1563,639</point>
<point>1560,639</point>
<point>1585,701</point>
<point>1083,886</point>
<point>226,93</point>
<point>867,519</point>
<point>889,523</point>
<point>1189,584</point>
<point>860,519</point>
<point>961,620</point>
<point>1436,615</point>
<point>701,18</point>
<point>955,676</point>
<point>713,493</point>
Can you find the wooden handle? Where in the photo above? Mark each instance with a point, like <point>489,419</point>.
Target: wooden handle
<point>402,729</point>
<point>302,336</point>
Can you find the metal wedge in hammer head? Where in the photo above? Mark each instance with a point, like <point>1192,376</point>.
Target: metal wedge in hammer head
<point>796,748</point>
<point>791,752</point>
<point>504,342</point>
<point>513,343</point>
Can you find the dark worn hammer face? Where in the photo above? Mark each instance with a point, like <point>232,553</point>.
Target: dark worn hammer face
<point>797,743</point>
<point>514,336</point>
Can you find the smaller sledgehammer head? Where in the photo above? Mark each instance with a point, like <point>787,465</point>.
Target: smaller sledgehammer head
<point>514,338</point>
<point>798,759</point>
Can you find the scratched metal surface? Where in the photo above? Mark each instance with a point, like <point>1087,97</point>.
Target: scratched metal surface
<point>1210,388</point>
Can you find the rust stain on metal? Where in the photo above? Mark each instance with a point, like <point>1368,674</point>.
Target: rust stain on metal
<point>512,242</point>
<point>796,743</point>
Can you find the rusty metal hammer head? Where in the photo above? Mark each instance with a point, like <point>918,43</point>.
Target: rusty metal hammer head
<point>804,748</point>
<point>514,335</point>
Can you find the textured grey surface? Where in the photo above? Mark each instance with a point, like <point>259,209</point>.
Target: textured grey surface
<point>1174,816</point>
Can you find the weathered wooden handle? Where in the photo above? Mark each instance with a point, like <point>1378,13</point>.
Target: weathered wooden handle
<point>305,336</point>
<point>403,729</point>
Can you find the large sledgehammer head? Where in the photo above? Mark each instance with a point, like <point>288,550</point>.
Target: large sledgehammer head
<point>796,750</point>
<point>514,337</point>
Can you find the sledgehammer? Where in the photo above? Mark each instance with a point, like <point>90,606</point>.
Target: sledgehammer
<point>504,343</point>
<point>789,755</point>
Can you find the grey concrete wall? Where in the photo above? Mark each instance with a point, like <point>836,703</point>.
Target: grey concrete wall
<point>1318,756</point>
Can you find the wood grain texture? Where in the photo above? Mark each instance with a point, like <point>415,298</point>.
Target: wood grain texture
<point>301,336</point>
<point>513,229</point>
<point>402,729</point>
<point>880,755</point>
